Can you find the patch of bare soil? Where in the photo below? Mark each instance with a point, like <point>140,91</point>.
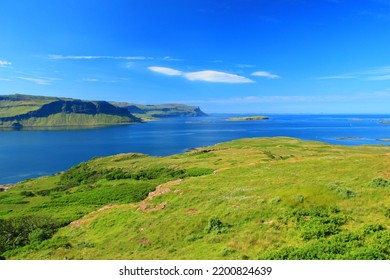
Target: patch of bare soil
<point>191,211</point>
<point>145,205</point>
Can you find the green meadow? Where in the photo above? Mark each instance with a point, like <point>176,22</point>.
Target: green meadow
<point>259,198</point>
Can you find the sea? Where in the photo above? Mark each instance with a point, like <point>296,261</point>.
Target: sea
<point>28,154</point>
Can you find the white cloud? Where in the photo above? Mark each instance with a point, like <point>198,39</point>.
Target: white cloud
<point>165,71</point>
<point>265,74</point>
<point>89,57</point>
<point>216,77</point>
<point>205,76</point>
<point>4,63</point>
<point>38,81</point>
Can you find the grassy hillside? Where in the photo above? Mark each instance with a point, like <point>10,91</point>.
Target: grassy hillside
<point>264,198</point>
<point>17,111</point>
<point>18,104</point>
<point>71,119</point>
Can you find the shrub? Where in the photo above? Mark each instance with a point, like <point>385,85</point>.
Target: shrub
<point>380,182</point>
<point>43,192</point>
<point>299,198</point>
<point>319,222</point>
<point>227,252</point>
<point>80,174</point>
<point>387,213</point>
<point>27,194</point>
<point>369,229</point>
<point>38,235</point>
<point>19,231</point>
<point>215,226</point>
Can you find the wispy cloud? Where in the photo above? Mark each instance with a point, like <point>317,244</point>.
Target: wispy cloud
<point>373,74</point>
<point>90,57</point>
<point>265,74</point>
<point>38,81</point>
<point>169,58</point>
<point>4,63</point>
<point>217,77</point>
<point>90,80</point>
<point>165,71</point>
<point>205,76</point>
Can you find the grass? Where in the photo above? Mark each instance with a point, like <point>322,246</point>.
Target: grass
<point>9,108</point>
<point>72,119</point>
<point>264,198</point>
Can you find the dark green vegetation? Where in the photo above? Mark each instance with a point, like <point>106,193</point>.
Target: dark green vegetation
<point>265,198</point>
<point>251,118</point>
<point>151,112</point>
<point>19,111</point>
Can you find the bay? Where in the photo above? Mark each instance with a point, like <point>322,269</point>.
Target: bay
<point>31,153</point>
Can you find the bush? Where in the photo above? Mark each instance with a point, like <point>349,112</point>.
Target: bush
<point>215,226</point>
<point>38,235</point>
<point>27,194</point>
<point>43,192</point>
<point>80,174</point>
<point>19,231</point>
<point>369,229</point>
<point>319,222</point>
<point>387,213</point>
<point>227,252</point>
<point>380,183</point>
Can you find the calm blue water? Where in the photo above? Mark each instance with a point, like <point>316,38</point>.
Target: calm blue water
<point>26,154</point>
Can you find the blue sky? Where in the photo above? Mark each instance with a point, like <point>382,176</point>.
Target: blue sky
<point>239,56</point>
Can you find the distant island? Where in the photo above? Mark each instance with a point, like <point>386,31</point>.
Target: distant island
<point>19,111</point>
<point>152,112</point>
<point>250,118</point>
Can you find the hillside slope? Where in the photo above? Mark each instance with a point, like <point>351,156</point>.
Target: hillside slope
<point>147,112</point>
<point>36,111</point>
<point>261,198</point>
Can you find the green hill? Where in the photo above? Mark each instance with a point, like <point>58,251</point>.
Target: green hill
<point>38,111</point>
<point>260,198</point>
<point>148,112</point>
